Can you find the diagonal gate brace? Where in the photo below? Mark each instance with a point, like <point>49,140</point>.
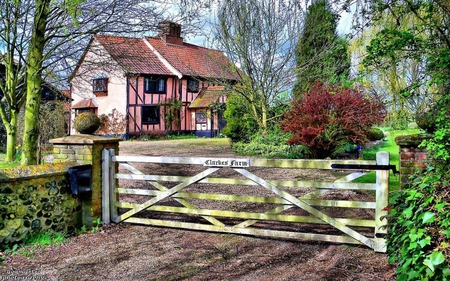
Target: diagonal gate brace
<point>166,194</point>
<point>313,211</point>
<point>185,203</point>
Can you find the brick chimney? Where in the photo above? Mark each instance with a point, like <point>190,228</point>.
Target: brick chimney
<point>170,32</point>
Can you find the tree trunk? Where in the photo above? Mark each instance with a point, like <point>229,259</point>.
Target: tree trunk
<point>11,137</point>
<point>34,83</point>
<point>264,119</point>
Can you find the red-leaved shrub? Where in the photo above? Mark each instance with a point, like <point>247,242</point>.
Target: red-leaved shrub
<point>328,117</point>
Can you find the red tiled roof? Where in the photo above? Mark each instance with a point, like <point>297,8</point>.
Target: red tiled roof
<point>66,93</point>
<point>192,60</point>
<point>133,55</point>
<point>85,103</point>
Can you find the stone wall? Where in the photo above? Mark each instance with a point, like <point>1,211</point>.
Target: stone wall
<point>412,158</point>
<point>86,149</point>
<point>37,199</point>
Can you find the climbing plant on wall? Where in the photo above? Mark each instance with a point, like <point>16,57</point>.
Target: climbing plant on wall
<point>172,113</point>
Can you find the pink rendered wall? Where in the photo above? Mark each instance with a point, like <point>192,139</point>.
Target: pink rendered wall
<point>138,98</point>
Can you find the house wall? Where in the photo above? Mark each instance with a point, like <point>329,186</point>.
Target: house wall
<point>98,63</point>
<point>137,98</point>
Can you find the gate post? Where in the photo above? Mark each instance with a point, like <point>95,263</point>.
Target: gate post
<point>86,149</point>
<point>382,201</point>
<point>106,164</point>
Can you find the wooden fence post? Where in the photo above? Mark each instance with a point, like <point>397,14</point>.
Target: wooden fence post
<point>106,162</point>
<point>382,201</point>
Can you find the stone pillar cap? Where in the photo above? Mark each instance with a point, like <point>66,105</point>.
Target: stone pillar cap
<point>85,139</point>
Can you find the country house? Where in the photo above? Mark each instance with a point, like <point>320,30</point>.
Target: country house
<point>158,84</point>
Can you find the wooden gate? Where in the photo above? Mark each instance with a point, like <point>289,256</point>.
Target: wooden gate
<point>292,209</point>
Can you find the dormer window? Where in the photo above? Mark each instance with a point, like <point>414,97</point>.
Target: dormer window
<point>193,85</point>
<point>155,85</point>
<point>100,86</point>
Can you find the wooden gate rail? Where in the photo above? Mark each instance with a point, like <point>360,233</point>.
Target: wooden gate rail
<point>282,199</point>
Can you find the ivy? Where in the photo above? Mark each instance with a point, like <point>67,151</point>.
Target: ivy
<point>418,240</point>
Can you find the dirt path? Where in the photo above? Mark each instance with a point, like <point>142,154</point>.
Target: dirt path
<point>133,252</point>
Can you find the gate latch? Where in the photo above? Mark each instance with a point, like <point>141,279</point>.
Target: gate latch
<point>365,167</point>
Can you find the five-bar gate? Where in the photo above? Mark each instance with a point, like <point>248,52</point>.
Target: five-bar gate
<point>231,195</point>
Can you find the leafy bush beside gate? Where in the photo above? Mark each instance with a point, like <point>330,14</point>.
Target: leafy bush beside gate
<point>328,117</point>
<point>420,229</point>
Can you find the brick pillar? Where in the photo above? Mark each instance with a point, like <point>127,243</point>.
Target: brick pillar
<point>86,149</point>
<point>412,158</point>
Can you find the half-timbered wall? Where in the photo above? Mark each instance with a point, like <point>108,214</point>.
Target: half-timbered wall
<point>137,98</point>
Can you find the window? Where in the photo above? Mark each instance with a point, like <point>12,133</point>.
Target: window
<point>155,85</point>
<point>200,117</point>
<point>150,114</point>
<point>100,85</point>
<point>193,85</point>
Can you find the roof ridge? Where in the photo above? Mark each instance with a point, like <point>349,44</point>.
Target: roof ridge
<point>184,43</point>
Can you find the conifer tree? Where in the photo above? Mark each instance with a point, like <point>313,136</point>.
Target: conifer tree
<point>321,53</point>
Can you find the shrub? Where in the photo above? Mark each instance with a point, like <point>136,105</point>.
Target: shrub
<point>86,123</point>
<point>328,117</point>
<point>113,123</point>
<point>375,134</point>
<point>426,119</point>
<point>52,123</point>
<point>240,124</point>
<point>271,144</point>
<point>420,228</point>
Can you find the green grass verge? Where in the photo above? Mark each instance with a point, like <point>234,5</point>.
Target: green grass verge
<point>35,243</point>
<point>4,165</point>
<point>390,146</point>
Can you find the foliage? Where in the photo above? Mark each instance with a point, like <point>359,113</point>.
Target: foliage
<point>112,123</point>
<point>52,123</point>
<point>180,136</point>
<point>419,239</point>
<point>86,122</point>
<point>426,119</point>
<point>42,40</point>
<point>34,243</point>
<point>321,54</point>
<point>328,117</point>
<point>421,251</point>
<point>375,134</point>
<point>270,144</point>
<point>152,135</point>
<point>240,124</point>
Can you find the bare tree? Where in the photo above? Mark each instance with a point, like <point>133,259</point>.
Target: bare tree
<point>260,37</point>
<point>44,39</point>
<point>13,34</point>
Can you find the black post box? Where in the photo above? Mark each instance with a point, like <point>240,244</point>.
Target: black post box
<point>80,179</point>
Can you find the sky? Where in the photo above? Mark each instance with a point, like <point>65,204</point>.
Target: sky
<point>344,27</point>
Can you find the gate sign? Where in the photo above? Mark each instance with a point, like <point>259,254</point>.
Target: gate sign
<point>224,162</point>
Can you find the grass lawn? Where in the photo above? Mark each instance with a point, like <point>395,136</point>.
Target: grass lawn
<point>390,146</point>
<point>4,165</point>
